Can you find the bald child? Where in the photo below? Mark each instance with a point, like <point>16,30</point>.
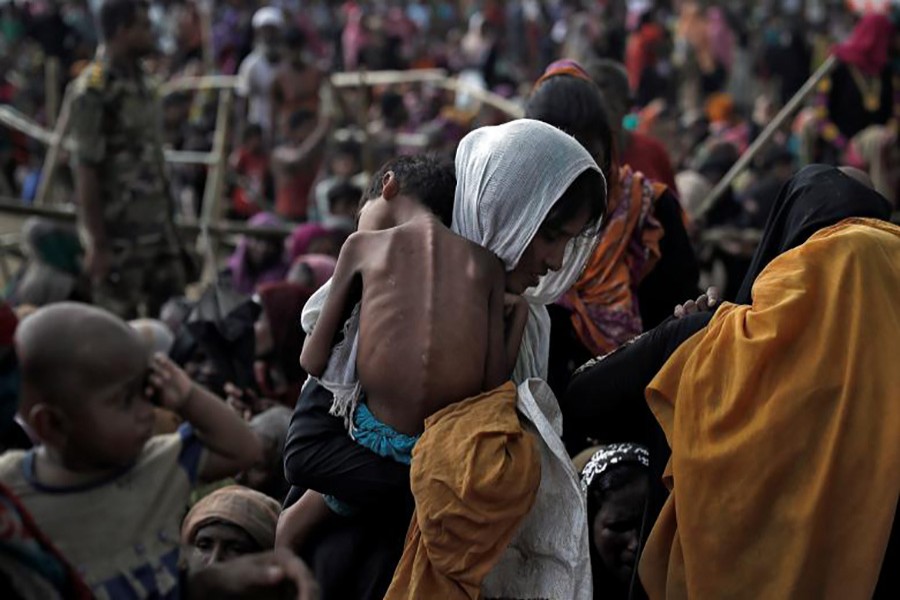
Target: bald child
<point>106,492</point>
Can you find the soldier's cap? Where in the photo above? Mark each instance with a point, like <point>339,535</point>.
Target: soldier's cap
<point>268,16</point>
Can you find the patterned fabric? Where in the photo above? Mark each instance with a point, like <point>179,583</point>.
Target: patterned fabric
<point>604,301</point>
<point>117,128</point>
<point>611,455</point>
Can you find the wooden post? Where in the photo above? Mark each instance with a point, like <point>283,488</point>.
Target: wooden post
<point>759,143</point>
<point>211,212</point>
<point>51,89</point>
<point>48,169</point>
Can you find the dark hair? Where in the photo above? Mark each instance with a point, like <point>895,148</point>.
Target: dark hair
<point>429,180</point>
<point>614,479</point>
<point>300,117</point>
<point>294,39</point>
<point>348,148</point>
<point>342,191</point>
<point>575,106</point>
<point>252,130</point>
<point>588,189</point>
<point>116,14</point>
<point>611,79</point>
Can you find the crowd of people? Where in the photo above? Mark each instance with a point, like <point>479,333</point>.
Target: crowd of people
<point>656,391</point>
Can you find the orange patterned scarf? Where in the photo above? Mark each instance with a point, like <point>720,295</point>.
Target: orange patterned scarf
<point>604,303</point>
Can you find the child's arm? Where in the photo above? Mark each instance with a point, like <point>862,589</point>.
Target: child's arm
<point>515,312</point>
<point>496,369</point>
<point>231,443</point>
<point>318,345</point>
<point>298,522</point>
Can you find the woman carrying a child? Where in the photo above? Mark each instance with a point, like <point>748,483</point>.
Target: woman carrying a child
<point>511,198</point>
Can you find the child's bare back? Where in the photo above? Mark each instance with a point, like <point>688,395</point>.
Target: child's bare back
<point>431,319</point>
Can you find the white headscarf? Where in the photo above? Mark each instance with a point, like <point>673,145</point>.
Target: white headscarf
<point>508,178</point>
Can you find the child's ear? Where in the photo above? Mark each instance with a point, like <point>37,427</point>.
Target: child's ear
<point>390,187</point>
<point>49,423</point>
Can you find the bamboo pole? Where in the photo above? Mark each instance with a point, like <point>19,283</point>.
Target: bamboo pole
<point>48,169</point>
<point>760,142</point>
<point>212,194</point>
<point>51,89</point>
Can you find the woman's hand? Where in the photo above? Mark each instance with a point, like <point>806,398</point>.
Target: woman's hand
<point>173,385</point>
<point>708,301</point>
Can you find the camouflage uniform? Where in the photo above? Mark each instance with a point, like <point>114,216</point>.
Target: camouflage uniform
<point>117,128</point>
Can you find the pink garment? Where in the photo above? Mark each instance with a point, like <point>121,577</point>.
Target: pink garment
<point>721,37</point>
<point>303,236</point>
<point>321,265</point>
<point>868,46</point>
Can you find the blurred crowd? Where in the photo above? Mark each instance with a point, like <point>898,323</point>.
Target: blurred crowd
<point>685,88</point>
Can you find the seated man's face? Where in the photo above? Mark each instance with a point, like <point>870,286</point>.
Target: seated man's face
<point>219,542</point>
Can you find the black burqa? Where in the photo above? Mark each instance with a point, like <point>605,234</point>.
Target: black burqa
<point>817,197</point>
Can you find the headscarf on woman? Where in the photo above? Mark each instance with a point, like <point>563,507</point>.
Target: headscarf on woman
<point>508,179</point>
<point>247,509</point>
<point>244,278</point>
<point>282,303</point>
<point>783,423</point>
<point>603,301</point>
<point>303,237</point>
<point>320,266</point>
<point>868,47</point>
<point>816,197</point>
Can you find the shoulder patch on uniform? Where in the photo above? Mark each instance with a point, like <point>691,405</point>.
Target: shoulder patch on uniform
<point>96,76</point>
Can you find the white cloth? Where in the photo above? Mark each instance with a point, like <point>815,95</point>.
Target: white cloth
<point>256,75</point>
<point>549,556</point>
<point>508,179</point>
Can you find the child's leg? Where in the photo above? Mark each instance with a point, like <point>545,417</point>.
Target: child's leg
<point>297,523</point>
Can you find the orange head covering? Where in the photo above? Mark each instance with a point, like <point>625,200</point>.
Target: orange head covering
<point>720,108</point>
<point>604,303</point>
<point>255,513</point>
<point>564,66</point>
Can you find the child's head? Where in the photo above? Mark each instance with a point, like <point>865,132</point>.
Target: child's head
<point>253,137</point>
<point>343,200</point>
<point>267,476</point>
<point>421,178</point>
<point>300,125</point>
<point>346,159</point>
<point>83,385</point>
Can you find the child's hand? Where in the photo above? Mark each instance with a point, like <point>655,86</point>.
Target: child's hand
<point>172,383</point>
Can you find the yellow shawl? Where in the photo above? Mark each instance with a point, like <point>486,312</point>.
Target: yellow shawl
<point>784,423</point>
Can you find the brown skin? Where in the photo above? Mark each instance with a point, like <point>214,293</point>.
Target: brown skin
<point>500,328</point>
<point>617,528</point>
<point>277,574</point>
<point>296,87</point>
<point>85,394</point>
<point>413,270</point>
<point>219,542</point>
<point>126,48</point>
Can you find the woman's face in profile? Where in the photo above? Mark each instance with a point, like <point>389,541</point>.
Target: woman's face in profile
<point>545,252</point>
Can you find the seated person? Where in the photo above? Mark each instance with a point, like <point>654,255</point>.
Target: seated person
<point>267,476</point>
<point>106,492</point>
<point>617,480</point>
<point>232,521</point>
<point>410,271</point>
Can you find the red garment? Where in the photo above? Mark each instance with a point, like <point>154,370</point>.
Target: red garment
<point>252,168</point>
<point>640,52</point>
<point>868,45</point>
<point>292,197</point>
<point>646,155</point>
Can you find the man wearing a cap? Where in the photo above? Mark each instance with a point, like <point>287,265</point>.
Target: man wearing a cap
<point>257,72</point>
